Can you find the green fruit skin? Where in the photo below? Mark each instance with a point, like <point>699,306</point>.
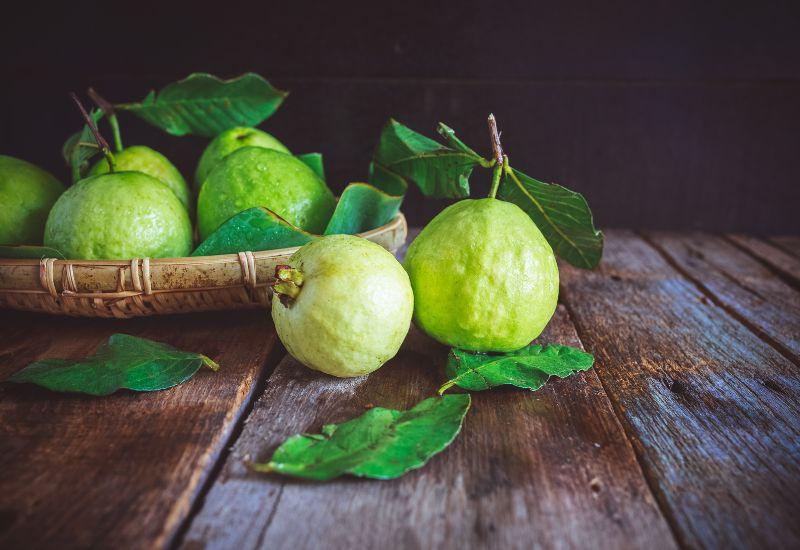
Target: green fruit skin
<point>119,216</point>
<point>139,158</point>
<point>354,307</point>
<point>26,195</point>
<point>254,176</point>
<point>229,141</point>
<point>484,277</point>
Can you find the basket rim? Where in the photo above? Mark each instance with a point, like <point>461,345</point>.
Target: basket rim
<point>398,221</point>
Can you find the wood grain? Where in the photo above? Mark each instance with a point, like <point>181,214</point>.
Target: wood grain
<point>545,469</point>
<point>738,282</point>
<point>785,264</point>
<point>713,411</point>
<point>122,470</point>
<point>789,243</point>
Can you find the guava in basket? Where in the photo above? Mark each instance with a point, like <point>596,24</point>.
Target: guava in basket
<point>229,141</point>
<point>139,158</point>
<point>26,195</point>
<point>254,176</point>
<point>342,305</point>
<point>120,215</point>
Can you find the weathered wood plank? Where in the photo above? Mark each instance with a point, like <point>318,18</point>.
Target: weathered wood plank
<point>118,471</point>
<point>545,469</point>
<point>785,264</point>
<point>712,410</point>
<point>739,283</point>
<point>789,243</point>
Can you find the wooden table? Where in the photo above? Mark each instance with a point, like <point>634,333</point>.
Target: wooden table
<point>686,432</point>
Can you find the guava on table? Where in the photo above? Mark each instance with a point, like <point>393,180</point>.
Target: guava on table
<point>118,216</point>
<point>484,277</point>
<point>26,195</point>
<point>139,158</point>
<point>229,141</point>
<point>342,306</point>
<point>254,176</point>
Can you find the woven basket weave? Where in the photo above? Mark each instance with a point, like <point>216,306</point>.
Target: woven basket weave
<point>141,286</point>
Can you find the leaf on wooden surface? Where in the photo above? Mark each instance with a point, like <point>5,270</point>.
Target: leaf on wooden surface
<point>529,367</point>
<point>361,208</point>
<point>204,105</point>
<point>313,161</point>
<point>80,147</point>
<point>252,230</point>
<point>123,362</point>
<point>439,171</point>
<point>25,251</point>
<point>380,444</point>
<point>563,216</point>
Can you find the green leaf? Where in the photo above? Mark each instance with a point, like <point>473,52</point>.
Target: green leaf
<point>450,136</point>
<point>313,161</point>
<point>529,367</point>
<point>124,362</point>
<point>439,171</point>
<point>204,105</point>
<point>25,251</point>
<point>362,207</point>
<point>380,444</point>
<point>562,215</point>
<point>80,147</point>
<point>386,180</point>
<point>252,230</point>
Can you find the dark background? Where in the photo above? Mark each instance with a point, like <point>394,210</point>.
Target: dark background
<point>671,115</point>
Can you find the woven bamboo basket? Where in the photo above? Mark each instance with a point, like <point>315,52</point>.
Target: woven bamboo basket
<point>144,286</point>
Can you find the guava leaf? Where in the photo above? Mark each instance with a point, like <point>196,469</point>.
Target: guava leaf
<point>313,161</point>
<point>380,444</point>
<point>563,216</point>
<point>439,171</point>
<point>123,362</point>
<point>386,180</point>
<point>362,207</point>
<point>529,367</point>
<point>252,230</point>
<point>450,136</point>
<point>80,147</point>
<point>204,105</point>
<point>25,251</point>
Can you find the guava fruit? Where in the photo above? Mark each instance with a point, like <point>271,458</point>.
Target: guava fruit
<point>229,141</point>
<point>254,176</point>
<point>484,277</point>
<point>26,195</point>
<point>139,158</point>
<point>342,305</point>
<point>118,216</point>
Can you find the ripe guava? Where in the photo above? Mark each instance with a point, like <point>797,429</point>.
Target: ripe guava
<point>342,306</point>
<point>254,176</point>
<point>139,158</point>
<point>229,141</point>
<point>119,216</point>
<point>26,195</point>
<point>484,277</point>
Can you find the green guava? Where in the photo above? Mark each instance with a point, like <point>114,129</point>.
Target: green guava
<point>342,306</point>
<point>26,195</point>
<point>139,158</point>
<point>484,277</point>
<point>119,216</point>
<point>229,141</point>
<point>254,176</point>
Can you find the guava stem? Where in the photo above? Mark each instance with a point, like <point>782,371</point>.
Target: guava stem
<point>288,281</point>
<point>108,110</point>
<point>98,137</point>
<point>446,386</point>
<point>497,149</point>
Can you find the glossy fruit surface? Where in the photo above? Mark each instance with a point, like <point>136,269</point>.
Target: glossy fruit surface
<point>119,216</point>
<point>484,277</point>
<point>254,176</point>
<point>26,195</point>
<point>229,141</point>
<point>352,308</point>
<point>139,158</point>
